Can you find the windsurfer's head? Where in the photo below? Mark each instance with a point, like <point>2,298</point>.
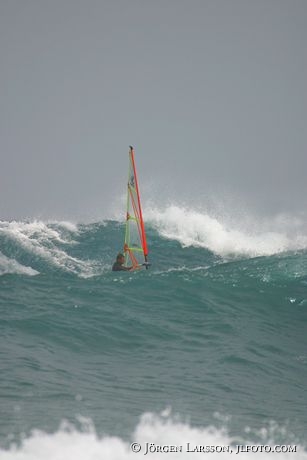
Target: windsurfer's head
<point>120,258</point>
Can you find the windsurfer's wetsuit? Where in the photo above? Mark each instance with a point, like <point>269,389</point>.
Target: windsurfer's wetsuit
<point>117,267</point>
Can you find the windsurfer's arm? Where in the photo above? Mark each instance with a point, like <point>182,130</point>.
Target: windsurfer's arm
<point>120,268</point>
<point>136,267</point>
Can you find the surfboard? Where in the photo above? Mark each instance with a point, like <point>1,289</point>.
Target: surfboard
<point>135,245</point>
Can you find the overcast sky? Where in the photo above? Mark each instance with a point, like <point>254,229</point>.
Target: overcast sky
<point>211,93</point>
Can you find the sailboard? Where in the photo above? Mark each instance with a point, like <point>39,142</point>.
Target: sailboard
<point>135,246</point>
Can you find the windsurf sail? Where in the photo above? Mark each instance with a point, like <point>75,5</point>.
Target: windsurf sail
<point>135,247</point>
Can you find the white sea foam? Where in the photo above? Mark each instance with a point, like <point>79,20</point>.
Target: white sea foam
<point>42,240</point>
<point>157,434</point>
<point>70,226</point>
<point>13,267</point>
<point>199,229</point>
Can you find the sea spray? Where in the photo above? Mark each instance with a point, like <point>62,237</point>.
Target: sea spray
<point>199,229</point>
<point>153,437</point>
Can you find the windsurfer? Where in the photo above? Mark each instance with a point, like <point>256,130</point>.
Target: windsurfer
<point>119,264</point>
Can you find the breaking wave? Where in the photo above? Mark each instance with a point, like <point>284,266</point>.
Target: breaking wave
<point>154,436</point>
<point>199,229</point>
<point>39,242</point>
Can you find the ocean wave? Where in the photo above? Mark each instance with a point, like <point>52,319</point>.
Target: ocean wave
<point>199,229</point>
<point>11,266</point>
<point>88,250</point>
<point>47,242</point>
<point>154,436</point>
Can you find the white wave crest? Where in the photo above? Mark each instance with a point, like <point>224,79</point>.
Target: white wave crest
<point>194,228</point>
<point>42,240</point>
<point>154,436</point>
<point>11,266</point>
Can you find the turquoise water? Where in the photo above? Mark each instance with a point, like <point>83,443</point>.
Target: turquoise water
<point>213,335</point>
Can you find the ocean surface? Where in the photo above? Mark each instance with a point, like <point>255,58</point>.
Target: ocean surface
<point>207,347</point>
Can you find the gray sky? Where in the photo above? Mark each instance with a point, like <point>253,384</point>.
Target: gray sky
<point>211,93</point>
